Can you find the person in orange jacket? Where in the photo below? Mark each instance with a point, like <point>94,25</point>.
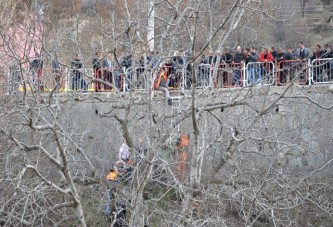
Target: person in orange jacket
<point>112,175</point>
<point>162,83</point>
<point>182,146</point>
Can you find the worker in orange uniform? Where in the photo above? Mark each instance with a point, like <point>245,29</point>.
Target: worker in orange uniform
<point>182,146</point>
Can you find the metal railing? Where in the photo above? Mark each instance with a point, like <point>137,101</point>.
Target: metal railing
<point>322,71</point>
<point>317,71</point>
<point>229,75</point>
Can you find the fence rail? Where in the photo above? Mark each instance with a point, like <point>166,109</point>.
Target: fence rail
<point>224,75</point>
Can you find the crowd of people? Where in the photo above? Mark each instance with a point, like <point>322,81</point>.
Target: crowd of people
<point>260,64</point>
<point>168,71</point>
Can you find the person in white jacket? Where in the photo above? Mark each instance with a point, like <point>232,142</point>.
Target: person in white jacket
<point>124,152</point>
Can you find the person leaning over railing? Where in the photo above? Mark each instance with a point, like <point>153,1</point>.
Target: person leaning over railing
<point>283,64</point>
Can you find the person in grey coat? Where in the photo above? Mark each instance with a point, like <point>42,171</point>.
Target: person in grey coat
<point>107,66</point>
<point>302,53</point>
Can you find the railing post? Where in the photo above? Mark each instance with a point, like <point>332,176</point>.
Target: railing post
<point>124,79</point>
<point>273,73</point>
<point>310,73</point>
<point>183,80</point>
<point>244,75</point>
<point>210,76</point>
<point>67,76</point>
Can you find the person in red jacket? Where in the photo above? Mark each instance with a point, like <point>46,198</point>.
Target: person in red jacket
<point>266,57</point>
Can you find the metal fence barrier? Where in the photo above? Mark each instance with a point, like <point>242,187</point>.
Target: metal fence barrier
<point>322,70</point>
<point>296,70</point>
<point>229,75</point>
<point>317,71</point>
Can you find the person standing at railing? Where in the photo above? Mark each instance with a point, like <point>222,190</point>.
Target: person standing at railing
<point>107,66</point>
<point>286,65</point>
<point>237,68</point>
<point>317,64</point>
<point>302,53</point>
<point>140,69</point>
<point>154,59</point>
<point>328,52</point>
<point>171,78</point>
<point>250,58</point>
<point>178,67</point>
<point>37,72</point>
<point>127,62</point>
<point>56,72</point>
<point>77,79</point>
<point>97,71</point>
<point>226,60</point>
<point>267,60</point>
<point>279,62</point>
<point>328,67</point>
<point>273,52</point>
<point>188,69</point>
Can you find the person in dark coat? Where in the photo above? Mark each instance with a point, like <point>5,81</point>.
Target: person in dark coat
<point>107,66</point>
<point>77,77</point>
<point>36,67</point>
<point>237,68</point>
<point>317,64</point>
<point>97,71</point>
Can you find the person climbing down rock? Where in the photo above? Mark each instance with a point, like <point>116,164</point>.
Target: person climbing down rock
<point>161,83</point>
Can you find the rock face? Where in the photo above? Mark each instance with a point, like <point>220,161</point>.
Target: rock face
<point>298,125</point>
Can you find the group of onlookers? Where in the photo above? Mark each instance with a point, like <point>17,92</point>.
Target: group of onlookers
<point>260,64</point>
<point>107,73</point>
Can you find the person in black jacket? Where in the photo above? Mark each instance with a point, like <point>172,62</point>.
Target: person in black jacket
<point>97,71</point>
<point>328,67</point>
<point>237,66</point>
<point>317,63</point>
<point>226,60</point>
<point>227,56</point>
<point>76,73</point>
<point>36,67</point>
<point>251,57</point>
<point>286,66</point>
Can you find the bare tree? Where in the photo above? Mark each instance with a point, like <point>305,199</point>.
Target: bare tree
<point>257,155</point>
